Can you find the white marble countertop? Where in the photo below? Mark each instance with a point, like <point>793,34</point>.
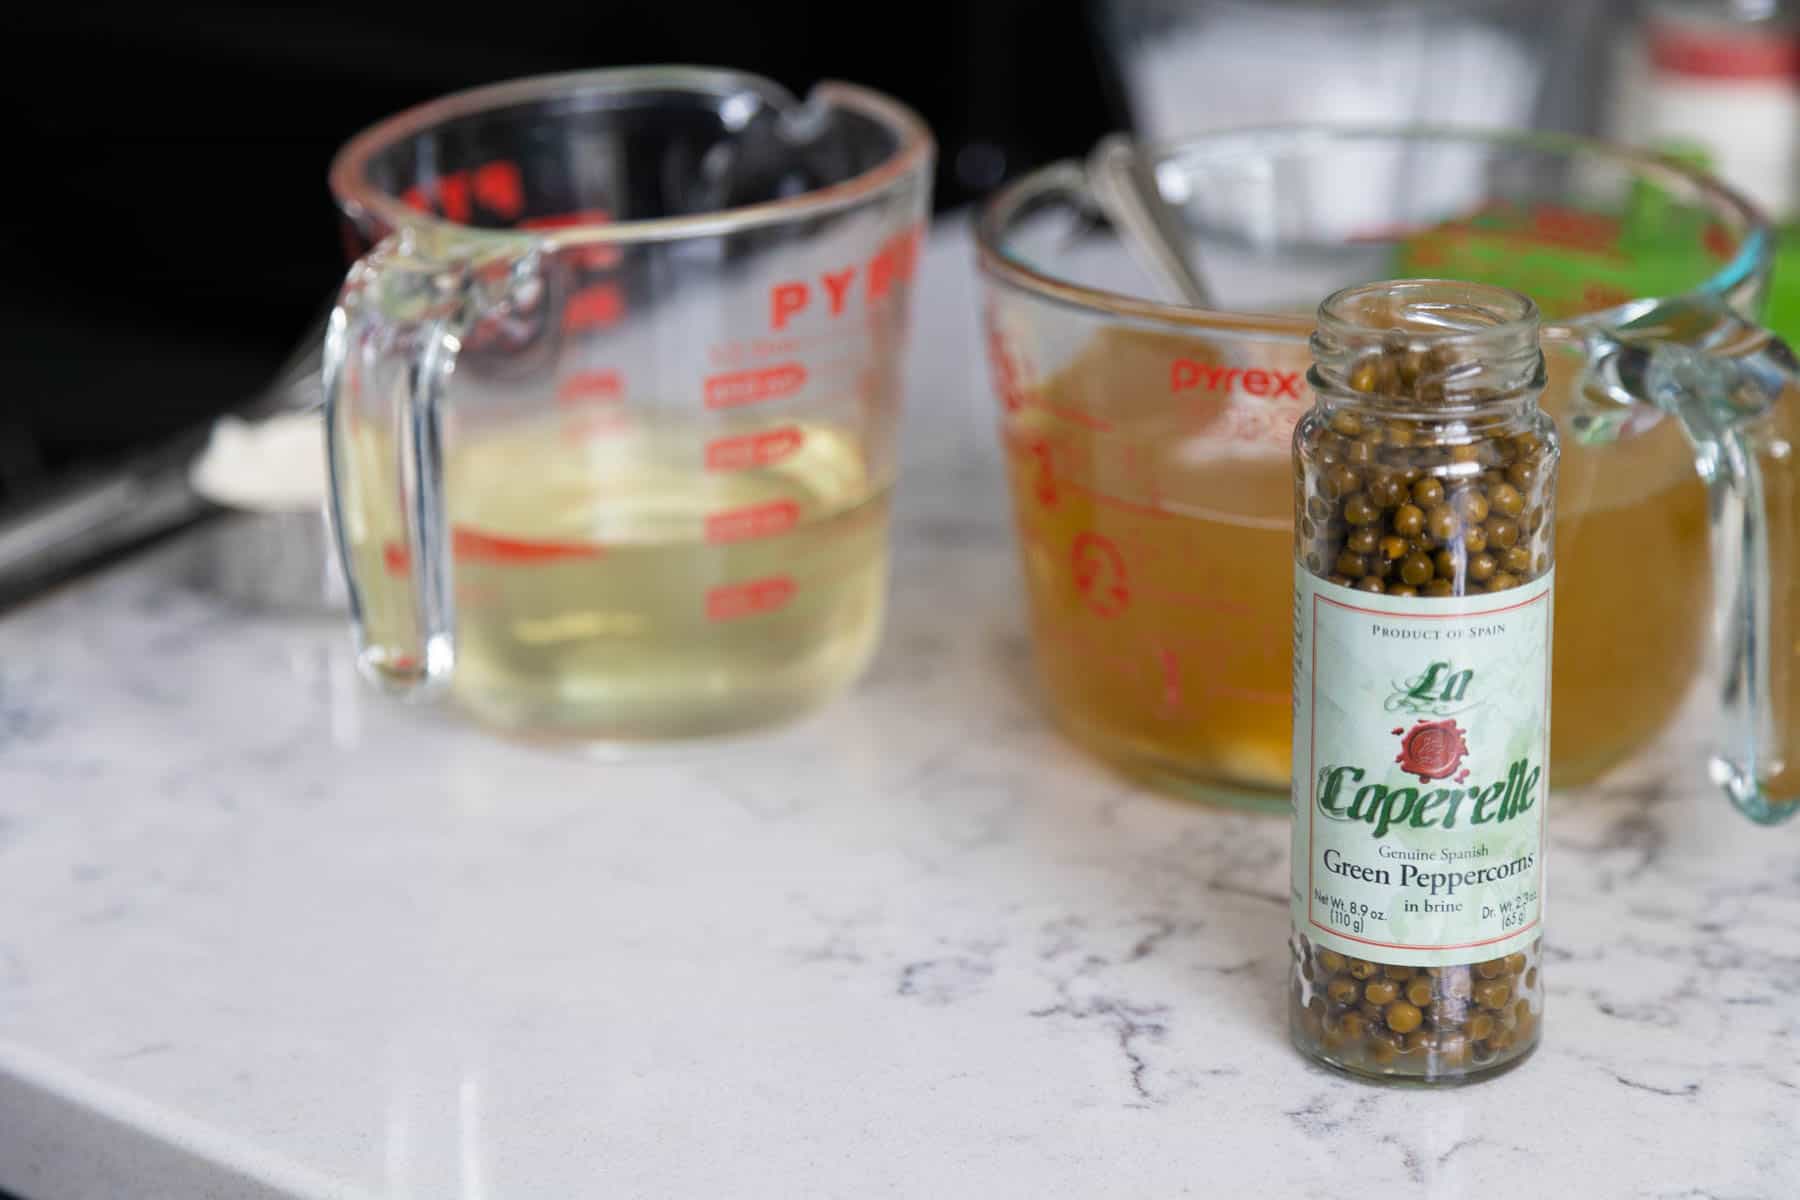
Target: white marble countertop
<point>265,934</point>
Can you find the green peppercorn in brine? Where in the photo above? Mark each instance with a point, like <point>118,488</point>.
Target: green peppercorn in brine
<point>1424,483</point>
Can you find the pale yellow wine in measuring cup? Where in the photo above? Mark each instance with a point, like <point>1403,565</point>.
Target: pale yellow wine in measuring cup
<point>616,587</point>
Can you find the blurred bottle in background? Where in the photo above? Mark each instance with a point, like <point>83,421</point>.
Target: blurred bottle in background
<point>1717,83</point>
<point>1189,66</point>
<point>1196,66</point>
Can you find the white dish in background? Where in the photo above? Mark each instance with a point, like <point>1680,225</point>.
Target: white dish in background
<point>273,465</point>
<point>276,553</point>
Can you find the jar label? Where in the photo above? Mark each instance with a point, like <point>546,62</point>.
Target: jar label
<point>1421,770</point>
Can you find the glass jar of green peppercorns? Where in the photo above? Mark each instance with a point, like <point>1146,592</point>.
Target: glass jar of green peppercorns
<point>1424,483</point>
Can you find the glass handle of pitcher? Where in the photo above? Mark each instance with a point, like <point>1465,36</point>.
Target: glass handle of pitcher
<point>390,347</point>
<point>1729,399</point>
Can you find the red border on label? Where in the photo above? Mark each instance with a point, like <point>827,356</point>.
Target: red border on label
<point>1312,767</point>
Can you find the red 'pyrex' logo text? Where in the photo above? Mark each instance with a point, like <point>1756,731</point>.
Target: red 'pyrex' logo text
<point>893,263</point>
<point>1186,374</point>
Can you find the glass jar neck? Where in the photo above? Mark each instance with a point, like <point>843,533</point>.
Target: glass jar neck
<point>1428,350</point>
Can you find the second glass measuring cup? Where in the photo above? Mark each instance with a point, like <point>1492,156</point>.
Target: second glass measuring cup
<point>1148,443</point>
<point>612,395</point>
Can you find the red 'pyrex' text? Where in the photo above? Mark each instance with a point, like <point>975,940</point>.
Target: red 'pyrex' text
<point>1186,374</point>
<point>891,264</point>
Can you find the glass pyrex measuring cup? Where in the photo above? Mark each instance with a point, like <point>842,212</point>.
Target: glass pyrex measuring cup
<point>611,398</point>
<point>1147,444</point>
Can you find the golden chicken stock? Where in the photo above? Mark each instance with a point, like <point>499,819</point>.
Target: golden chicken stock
<point>1152,486</point>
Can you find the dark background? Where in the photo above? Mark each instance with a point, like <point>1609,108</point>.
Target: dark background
<point>169,236</point>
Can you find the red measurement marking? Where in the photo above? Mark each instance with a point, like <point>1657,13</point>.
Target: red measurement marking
<point>472,545</point>
<point>500,188</point>
<point>752,521</point>
<point>1005,369</point>
<point>736,600</point>
<point>894,262</point>
<point>1073,416</point>
<point>750,387</point>
<point>1043,451</point>
<point>753,449</point>
<point>597,305</point>
<point>1171,679</point>
<point>1045,488</point>
<point>453,196</point>
<point>496,187</point>
<point>590,387</point>
<point>1099,571</point>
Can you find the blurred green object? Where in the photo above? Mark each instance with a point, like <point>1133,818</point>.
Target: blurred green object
<point>1573,260</point>
<point>1783,305</point>
<point>1783,314</point>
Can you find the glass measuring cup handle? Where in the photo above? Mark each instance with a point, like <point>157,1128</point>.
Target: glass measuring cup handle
<point>1734,400</point>
<point>390,347</point>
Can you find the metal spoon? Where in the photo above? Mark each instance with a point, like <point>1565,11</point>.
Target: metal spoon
<point>1123,181</point>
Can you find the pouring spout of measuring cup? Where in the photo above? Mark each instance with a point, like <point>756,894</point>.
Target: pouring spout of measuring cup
<point>1730,385</point>
<point>780,147</point>
<point>1121,176</point>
